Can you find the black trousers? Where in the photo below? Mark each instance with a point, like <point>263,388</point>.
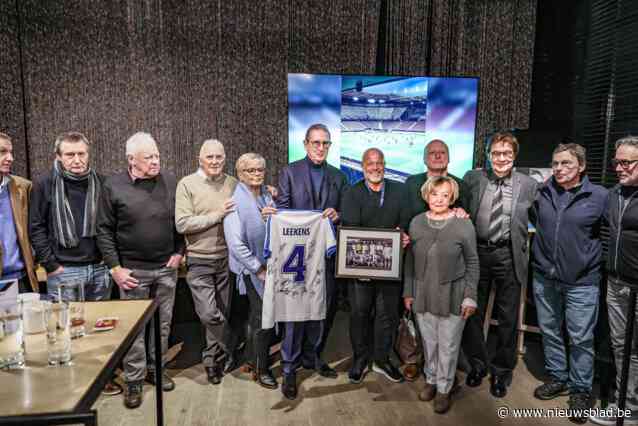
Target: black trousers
<point>311,355</point>
<point>373,340</point>
<point>258,339</point>
<point>497,270</point>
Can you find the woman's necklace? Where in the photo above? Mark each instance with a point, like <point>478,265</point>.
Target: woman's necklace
<point>437,223</point>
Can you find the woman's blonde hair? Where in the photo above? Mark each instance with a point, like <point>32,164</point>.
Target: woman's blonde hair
<point>435,182</point>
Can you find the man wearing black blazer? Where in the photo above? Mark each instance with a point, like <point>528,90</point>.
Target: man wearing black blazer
<point>313,184</point>
<point>498,202</point>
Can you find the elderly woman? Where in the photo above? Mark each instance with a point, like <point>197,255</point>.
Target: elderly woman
<point>245,232</point>
<point>441,277</point>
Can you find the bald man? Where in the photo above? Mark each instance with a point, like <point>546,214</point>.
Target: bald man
<point>436,157</point>
<point>202,201</point>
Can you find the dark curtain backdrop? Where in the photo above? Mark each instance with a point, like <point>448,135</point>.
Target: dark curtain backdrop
<point>491,39</point>
<point>190,70</point>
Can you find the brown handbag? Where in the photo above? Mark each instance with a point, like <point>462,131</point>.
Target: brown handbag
<point>408,343</point>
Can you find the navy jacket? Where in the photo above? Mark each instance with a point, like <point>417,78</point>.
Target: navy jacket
<point>567,246</point>
<point>295,188</point>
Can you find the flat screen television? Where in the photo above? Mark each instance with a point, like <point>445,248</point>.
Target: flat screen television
<point>398,115</point>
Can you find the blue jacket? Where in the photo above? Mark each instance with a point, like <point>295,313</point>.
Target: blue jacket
<point>567,246</point>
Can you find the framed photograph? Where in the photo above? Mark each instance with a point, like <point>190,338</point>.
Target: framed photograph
<point>369,253</point>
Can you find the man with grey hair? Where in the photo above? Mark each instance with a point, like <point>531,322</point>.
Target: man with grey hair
<point>567,260</point>
<point>622,266</point>
<point>436,157</point>
<point>17,272</point>
<point>142,248</point>
<point>202,201</point>
<point>63,219</point>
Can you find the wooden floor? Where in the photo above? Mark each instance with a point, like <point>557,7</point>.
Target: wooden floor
<point>329,402</point>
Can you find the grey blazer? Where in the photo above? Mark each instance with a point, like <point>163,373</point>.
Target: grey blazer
<point>455,266</point>
<point>524,193</point>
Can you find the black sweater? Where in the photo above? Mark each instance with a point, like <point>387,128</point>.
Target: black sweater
<point>622,252</point>
<point>360,207</point>
<point>48,252</point>
<point>136,221</point>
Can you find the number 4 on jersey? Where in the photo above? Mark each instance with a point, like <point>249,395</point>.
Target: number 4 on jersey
<point>295,263</point>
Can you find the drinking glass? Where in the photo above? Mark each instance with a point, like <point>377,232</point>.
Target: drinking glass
<point>58,322</point>
<point>11,336</point>
<point>73,291</point>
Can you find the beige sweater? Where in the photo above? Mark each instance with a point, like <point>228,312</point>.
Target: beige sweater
<point>199,216</point>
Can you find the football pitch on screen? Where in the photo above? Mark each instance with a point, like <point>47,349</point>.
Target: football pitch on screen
<point>403,150</point>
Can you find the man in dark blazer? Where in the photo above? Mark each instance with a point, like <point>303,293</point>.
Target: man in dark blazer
<point>498,202</point>
<point>436,157</point>
<point>313,184</point>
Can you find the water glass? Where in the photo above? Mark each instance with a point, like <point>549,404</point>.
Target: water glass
<point>11,336</point>
<point>73,291</point>
<point>58,325</point>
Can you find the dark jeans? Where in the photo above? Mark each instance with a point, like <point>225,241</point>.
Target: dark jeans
<point>258,339</point>
<point>384,297</point>
<point>311,350</point>
<point>497,269</point>
<point>208,281</point>
<point>236,328</point>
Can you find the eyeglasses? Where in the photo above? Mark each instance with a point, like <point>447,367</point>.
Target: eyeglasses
<point>253,171</point>
<point>625,164</point>
<point>508,155</point>
<point>319,144</point>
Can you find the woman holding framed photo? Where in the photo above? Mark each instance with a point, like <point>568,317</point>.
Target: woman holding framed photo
<point>441,277</point>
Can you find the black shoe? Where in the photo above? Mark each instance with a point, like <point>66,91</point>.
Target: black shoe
<point>167,383</point>
<point>358,371</point>
<point>133,394</point>
<point>325,370</point>
<point>289,386</point>
<point>550,390</point>
<point>232,362</point>
<point>498,388</point>
<point>579,403</point>
<point>214,375</point>
<point>388,370</point>
<point>474,378</point>
<point>266,380</point>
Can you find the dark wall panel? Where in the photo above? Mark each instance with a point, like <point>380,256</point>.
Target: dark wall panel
<point>11,105</point>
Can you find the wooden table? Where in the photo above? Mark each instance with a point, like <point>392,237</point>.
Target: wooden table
<point>43,394</point>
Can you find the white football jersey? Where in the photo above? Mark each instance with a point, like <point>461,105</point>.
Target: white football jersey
<point>297,245</point>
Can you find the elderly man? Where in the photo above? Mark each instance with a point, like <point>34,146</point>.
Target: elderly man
<point>498,202</point>
<point>64,220</point>
<point>16,261</point>
<point>622,265</point>
<point>141,246</point>
<point>436,157</point>
<point>202,201</point>
<point>567,271</point>
<point>374,202</point>
<point>313,184</point>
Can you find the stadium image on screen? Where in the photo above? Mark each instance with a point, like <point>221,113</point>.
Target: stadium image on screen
<point>398,115</point>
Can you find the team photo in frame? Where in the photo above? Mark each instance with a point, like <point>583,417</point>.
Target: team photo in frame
<point>369,253</point>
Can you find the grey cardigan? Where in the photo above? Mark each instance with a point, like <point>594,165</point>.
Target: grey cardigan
<point>441,286</point>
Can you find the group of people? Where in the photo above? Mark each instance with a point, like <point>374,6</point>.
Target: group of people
<point>462,237</point>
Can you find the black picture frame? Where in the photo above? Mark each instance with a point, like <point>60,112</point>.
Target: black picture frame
<point>369,253</point>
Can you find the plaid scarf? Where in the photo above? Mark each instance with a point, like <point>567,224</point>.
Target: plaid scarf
<point>63,221</point>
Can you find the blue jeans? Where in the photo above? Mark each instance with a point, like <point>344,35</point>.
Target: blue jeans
<point>95,278</point>
<point>578,306</point>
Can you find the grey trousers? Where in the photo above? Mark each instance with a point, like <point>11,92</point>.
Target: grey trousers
<point>211,292</point>
<point>617,306</point>
<point>161,284</point>
<point>441,345</point>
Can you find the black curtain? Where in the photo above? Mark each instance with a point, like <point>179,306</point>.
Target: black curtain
<point>190,70</point>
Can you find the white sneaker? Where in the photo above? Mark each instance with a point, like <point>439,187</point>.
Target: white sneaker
<point>611,420</point>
